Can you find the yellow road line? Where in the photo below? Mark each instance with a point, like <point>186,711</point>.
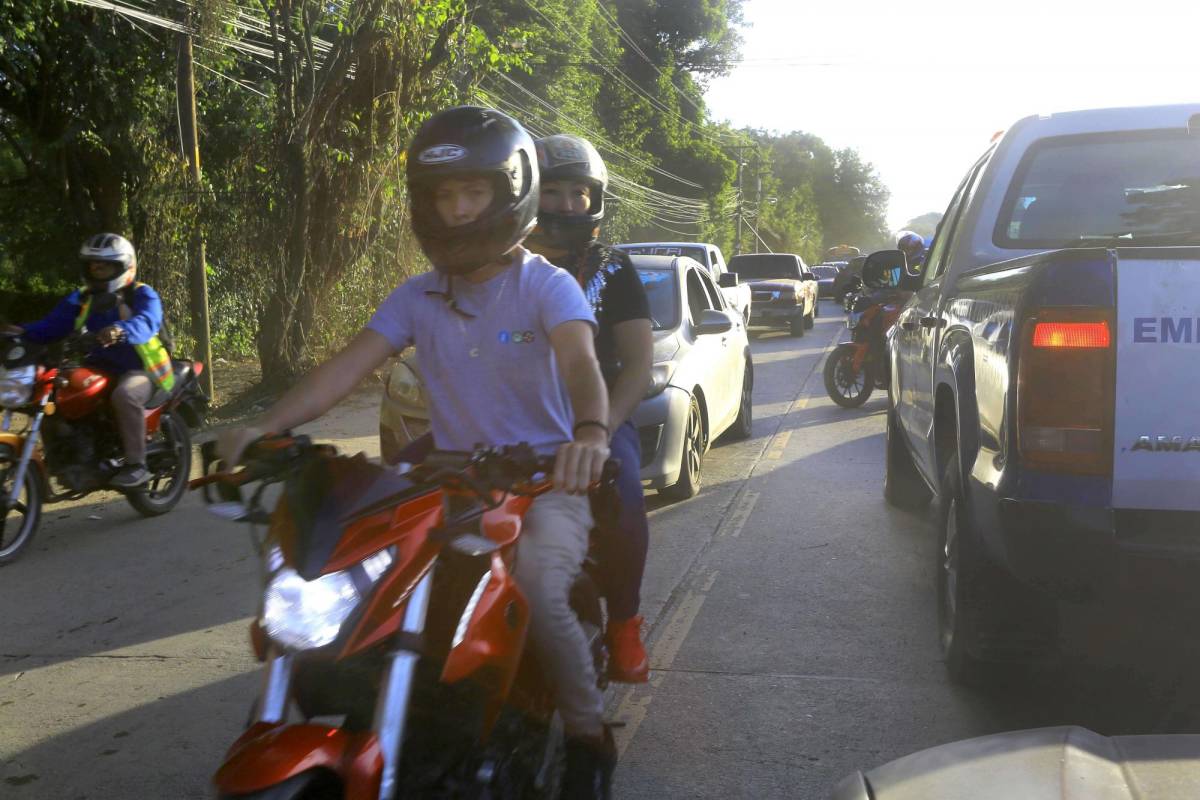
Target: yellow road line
<point>634,704</point>
<point>739,515</point>
<point>631,711</point>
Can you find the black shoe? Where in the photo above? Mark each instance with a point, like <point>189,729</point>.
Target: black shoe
<point>590,765</point>
<point>130,476</point>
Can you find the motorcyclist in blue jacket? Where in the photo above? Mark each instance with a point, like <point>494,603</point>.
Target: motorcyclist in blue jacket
<point>126,318</point>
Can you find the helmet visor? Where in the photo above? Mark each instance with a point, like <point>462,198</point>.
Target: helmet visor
<point>103,270</point>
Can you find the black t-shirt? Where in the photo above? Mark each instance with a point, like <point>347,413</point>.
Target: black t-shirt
<point>612,287</point>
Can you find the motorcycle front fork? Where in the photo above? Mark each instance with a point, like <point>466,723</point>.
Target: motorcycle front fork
<point>31,438</point>
<point>391,711</point>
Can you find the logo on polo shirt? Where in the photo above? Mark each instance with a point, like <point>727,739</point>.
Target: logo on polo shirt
<point>516,337</point>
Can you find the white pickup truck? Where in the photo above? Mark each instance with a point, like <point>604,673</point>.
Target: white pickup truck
<point>1044,373</point>
<point>737,295</point>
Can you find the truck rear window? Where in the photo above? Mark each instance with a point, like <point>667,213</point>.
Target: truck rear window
<point>1105,190</point>
<point>696,253</point>
<point>758,266</point>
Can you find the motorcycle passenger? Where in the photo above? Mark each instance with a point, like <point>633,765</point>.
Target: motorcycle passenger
<point>913,247</point>
<point>126,318</point>
<point>573,180</point>
<point>505,344</point>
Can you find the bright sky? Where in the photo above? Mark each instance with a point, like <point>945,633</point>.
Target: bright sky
<point>919,87</point>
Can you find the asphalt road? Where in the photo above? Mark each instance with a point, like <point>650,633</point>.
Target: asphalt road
<point>791,625</point>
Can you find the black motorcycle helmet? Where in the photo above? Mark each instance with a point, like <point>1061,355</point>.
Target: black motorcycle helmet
<point>563,157</point>
<point>465,142</point>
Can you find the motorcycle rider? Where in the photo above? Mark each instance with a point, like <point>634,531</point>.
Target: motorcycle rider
<point>126,318</point>
<point>505,344</point>
<point>913,246</point>
<point>574,179</point>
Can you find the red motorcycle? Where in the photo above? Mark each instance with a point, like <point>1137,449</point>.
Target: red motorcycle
<point>854,369</point>
<point>68,445</point>
<point>390,607</point>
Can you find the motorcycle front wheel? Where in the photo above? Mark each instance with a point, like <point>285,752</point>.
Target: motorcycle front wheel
<point>847,387</point>
<point>169,459</point>
<point>19,523</point>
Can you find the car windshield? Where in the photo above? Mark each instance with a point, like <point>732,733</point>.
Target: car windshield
<point>696,253</point>
<point>765,265</point>
<point>1140,188</point>
<point>662,290</point>
<point>823,273</point>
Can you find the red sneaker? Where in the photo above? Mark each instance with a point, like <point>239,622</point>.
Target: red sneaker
<point>627,655</point>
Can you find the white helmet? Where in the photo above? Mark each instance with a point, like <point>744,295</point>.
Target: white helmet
<point>113,249</point>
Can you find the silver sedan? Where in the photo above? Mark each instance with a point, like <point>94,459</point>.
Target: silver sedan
<point>703,375</point>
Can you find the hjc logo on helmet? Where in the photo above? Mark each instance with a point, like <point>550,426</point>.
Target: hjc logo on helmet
<point>442,153</point>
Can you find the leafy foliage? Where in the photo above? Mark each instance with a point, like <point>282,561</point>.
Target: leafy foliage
<point>305,108</point>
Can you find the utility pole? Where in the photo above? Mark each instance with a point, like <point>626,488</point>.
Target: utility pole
<point>185,96</point>
<point>737,242</point>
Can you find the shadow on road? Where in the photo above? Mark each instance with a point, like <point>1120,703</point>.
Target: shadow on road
<point>166,748</point>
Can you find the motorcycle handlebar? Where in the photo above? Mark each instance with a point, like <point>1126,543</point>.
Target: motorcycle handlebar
<point>494,467</point>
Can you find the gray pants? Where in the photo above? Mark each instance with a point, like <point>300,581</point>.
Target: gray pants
<point>550,555</point>
<point>129,403</point>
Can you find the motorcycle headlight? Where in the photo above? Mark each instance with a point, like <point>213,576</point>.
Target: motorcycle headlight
<point>16,386</point>
<point>303,615</point>
<point>660,376</point>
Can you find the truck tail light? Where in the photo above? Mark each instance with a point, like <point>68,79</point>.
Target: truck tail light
<point>1065,391</point>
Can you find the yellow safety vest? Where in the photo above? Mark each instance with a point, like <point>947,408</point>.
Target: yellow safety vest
<point>155,358</point>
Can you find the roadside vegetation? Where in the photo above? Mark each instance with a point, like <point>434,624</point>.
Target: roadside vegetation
<point>304,112</point>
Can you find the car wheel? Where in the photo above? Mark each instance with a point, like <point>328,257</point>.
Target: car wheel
<point>743,426</point>
<point>797,326</point>
<point>985,616</point>
<point>690,461</point>
<point>903,486</point>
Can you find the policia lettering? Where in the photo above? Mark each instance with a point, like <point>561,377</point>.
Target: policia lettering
<point>155,358</point>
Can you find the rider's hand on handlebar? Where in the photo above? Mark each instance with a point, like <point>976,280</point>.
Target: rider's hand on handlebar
<point>581,462</point>
<point>232,444</point>
<point>113,334</point>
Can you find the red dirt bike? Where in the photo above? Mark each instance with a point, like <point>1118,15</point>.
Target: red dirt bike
<point>69,445</point>
<point>390,606</point>
<point>854,369</point>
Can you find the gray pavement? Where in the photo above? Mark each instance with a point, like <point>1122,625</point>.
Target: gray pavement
<point>791,630</point>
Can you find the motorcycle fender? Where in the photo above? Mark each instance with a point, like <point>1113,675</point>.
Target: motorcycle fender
<point>13,444</point>
<point>494,638</point>
<point>153,420</point>
<point>860,355</point>
<point>267,755</point>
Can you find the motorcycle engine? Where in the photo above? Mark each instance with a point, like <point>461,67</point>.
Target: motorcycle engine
<point>71,453</point>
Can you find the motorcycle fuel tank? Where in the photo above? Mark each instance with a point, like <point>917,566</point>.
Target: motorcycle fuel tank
<point>78,391</point>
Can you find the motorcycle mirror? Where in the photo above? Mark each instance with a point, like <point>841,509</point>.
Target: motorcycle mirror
<point>231,511</point>
<point>472,544</point>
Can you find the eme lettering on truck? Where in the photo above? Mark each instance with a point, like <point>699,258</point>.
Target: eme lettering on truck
<point>1166,330</point>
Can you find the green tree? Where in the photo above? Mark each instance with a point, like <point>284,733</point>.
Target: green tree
<point>925,224</point>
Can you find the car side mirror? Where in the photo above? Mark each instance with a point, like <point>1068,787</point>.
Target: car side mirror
<point>807,276</point>
<point>728,280</point>
<point>712,321</point>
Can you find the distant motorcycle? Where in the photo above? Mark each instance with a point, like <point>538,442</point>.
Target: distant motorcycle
<point>69,446</point>
<point>390,604</point>
<point>856,368</point>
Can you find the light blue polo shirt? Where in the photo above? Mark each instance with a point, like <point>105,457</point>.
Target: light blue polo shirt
<point>492,378</point>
